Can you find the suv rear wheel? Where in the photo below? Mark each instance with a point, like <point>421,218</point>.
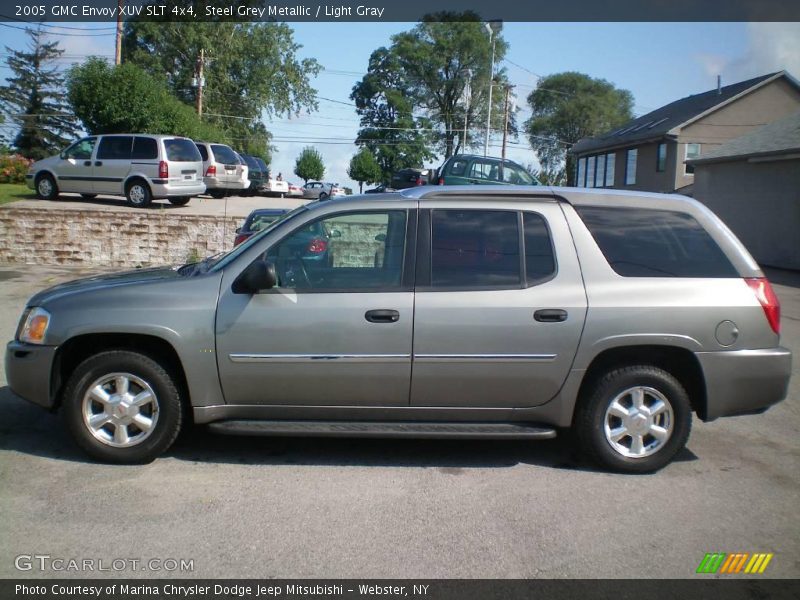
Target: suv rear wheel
<point>180,200</point>
<point>634,420</point>
<point>138,194</point>
<point>46,188</point>
<point>122,407</point>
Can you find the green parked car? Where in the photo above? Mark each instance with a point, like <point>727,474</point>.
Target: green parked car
<point>465,169</point>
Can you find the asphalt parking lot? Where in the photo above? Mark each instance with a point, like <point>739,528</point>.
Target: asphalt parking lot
<point>259,507</point>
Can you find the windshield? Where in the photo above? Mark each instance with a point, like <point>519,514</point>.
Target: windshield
<point>224,154</point>
<point>221,261</point>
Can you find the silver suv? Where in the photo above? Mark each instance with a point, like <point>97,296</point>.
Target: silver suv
<point>453,312</point>
<point>139,166</point>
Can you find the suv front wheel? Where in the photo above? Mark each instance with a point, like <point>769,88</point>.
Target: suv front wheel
<point>634,420</point>
<point>122,407</point>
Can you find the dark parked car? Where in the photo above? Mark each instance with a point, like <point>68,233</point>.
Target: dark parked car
<point>256,174</point>
<point>380,189</point>
<point>482,170</point>
<point>407,178</point>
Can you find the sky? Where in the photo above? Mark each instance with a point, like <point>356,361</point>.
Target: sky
<point>657,62</point>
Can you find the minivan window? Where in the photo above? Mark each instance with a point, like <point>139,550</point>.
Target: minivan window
<point>640,242</point>
<point>203,151</point>
<point>224,155</point>
<point>144,148</point>
<point>540,263</point>
<point>81,150</point>
<point>458,167</point>
<point>181,150</point>
<point>474,249</point>
<point>117,147</point>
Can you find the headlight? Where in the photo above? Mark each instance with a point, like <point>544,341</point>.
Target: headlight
<point>33,326</point>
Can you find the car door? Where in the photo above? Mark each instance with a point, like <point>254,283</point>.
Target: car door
<point>454,172</point>
<point>112,163</point>
<point>499,305</point>
<point>74,169</point>
<point>336,330</point>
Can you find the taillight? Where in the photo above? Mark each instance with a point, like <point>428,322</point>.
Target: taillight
<point>420,181</point>
<point>441,180</point>
<point>212,171</point>
<point>769,301</point>
<point>317,246</point>
<point>240,238</point>
<point>163,170</point>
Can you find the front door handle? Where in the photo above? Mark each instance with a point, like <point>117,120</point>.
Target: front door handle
<point>550,315</point>
<point>382,316</point>
<point>98,163</point>
<point>87,163</point>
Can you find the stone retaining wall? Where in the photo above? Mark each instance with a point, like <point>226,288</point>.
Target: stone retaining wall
<point>110,238</point>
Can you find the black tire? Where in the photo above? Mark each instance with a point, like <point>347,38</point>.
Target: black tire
<point>169,408</point>
<point>590,419</point>
<point>323,196</point>
<point>180,200</point>
<point>88,196</point>
<point>46,187</point>
<point>138,194</point>
<point>218,194</point>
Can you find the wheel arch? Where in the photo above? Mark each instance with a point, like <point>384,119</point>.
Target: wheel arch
<point>77,349</point>
<point>680,362</point>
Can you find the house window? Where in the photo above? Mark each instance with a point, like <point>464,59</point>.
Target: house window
<point>581,173</point>
<point>661,158</point>
<point>692,151</point>
<point>610,160</point>
<point>630,166</point>
<point>600,171</point>
<point>590,172</point>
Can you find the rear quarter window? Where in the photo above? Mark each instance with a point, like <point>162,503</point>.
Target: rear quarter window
<point>655,243</point>
<point>179,150</point>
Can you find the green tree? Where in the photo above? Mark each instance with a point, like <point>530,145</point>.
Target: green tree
<point>364,168</point>
<point>250,70</point>
<point>394,136</point>
<point>309,165</point>
<point>437,58</point>
<point>567,107</point>
<point>33,98</point>
<point>116,99</point>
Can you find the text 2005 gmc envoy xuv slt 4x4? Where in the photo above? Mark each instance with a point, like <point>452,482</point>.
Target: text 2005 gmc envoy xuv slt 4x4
<point>495,312</point>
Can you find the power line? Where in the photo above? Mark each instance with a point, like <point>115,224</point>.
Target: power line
<point>60,34</point>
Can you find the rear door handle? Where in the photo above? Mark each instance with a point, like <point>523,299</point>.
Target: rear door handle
<point>382,316</point>
<point>98,163</point>
<point>87,163</point>
<point>550,315</point>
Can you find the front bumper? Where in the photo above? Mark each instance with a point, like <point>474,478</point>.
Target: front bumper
<point>29,181</point>
<point>744,381</point>
<point>28,370</point>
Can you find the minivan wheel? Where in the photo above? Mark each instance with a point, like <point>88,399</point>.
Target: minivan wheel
<point>46,188</point>
<point>634,420</point>
<point>122,407</point>
<point>180,200</point>
<point>138,194</point>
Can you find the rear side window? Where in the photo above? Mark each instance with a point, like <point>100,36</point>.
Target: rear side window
<point>540,262</point>
<point>203,151</point>
<point>224,154</point>
<point>655,243</point>
<point>474,249</point>
<point>458,167</point>
<point>144,148</point>
<point>115,148</point>
<point>181,150</point>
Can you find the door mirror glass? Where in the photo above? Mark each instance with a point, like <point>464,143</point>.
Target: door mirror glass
<point>259,275</point>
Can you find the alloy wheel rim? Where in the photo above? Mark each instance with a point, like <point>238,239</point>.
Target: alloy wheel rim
<point>120,410</point>
<point>137,194</point>
<point>45,187</point>
<point>638,422</point>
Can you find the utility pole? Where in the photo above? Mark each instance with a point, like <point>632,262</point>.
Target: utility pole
<point>200,81</point>
<point>493,27</point>
<point>118,49</point>
<point>505,127</point>
<point>467,94</point>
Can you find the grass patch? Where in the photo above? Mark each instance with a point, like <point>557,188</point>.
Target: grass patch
<point>11,192</point>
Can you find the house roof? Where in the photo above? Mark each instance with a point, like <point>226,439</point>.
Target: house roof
<point>663,121</point>
<point>779,137</point>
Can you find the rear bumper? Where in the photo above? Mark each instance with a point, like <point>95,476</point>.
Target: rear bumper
<point>28,371</point>
<point>169,190</point>
<point>744,381</point>
<point>214,183</point>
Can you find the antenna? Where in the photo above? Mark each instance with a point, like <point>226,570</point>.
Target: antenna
<point>719,85</point>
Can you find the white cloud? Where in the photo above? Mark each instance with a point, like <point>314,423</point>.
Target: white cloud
<point>770,47</point>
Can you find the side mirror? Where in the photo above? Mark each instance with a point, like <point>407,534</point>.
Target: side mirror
<point>381,237</point>
<point>62,155</point>
<point>335,233</point>
<point>238,230</point>
<point>259,275</point>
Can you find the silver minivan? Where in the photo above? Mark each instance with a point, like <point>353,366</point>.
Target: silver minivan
<point>142,167</point>
<point>460,311</point>
<point>224,172</point>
